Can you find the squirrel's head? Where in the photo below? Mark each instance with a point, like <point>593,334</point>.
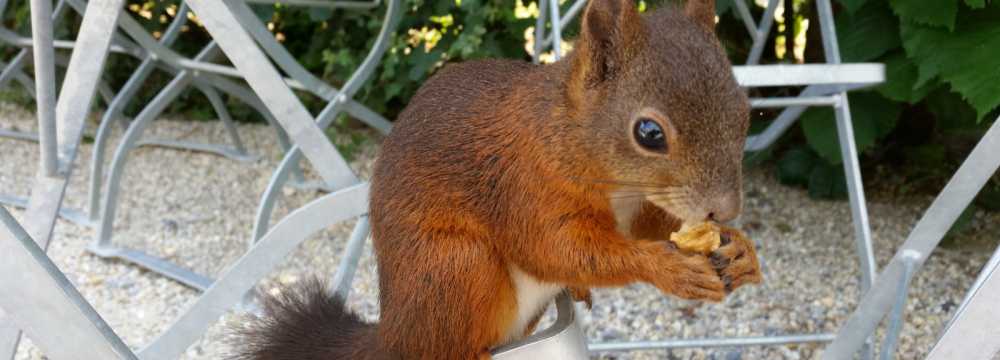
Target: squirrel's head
<point>663,113</point>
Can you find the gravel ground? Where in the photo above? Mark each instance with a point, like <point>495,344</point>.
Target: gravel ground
<point>197,210</point>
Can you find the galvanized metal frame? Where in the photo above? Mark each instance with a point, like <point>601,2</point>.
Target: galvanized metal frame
<point>352,201</point>
<point>114,112</point>
<point>76,98</point>
<point>341,101</point>
<point>930,229</point>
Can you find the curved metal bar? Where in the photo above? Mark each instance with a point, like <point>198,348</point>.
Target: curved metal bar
<point>291,159</point>
<point>563,340</point>
<point>341,283</point>
<point>172,90</point>
<point>296,71</point>
<point>114,112</point>
<point>13,71</point>
<point>254,265</point>
<point>162,53</point>
<point>227,121</point>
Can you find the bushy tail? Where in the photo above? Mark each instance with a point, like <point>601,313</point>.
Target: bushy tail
<point>306,322</point>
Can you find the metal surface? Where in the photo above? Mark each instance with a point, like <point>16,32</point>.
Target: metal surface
<point>43,302</point>
<point>228,290</point>
<point>713,342</point>
<point>556,24</point>
<point>971,334</point>
<point>45,84</point>
<point>563,340</point>
<point>809,74</point>
<point>341,283</point>
<point>780,102</point>
<point>291,160</point>
<point>949,204</point>
<point>76,97</point>
<point>896,317</point>
<point>762,31</point>
<point>268,84</point>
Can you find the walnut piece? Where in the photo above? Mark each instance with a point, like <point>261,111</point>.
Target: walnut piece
<point>701,238</point>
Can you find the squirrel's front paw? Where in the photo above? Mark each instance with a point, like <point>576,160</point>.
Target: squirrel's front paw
<point>736,260</point>
<point>688,276</point>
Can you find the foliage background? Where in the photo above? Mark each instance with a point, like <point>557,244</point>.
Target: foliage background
<point>942,58</point>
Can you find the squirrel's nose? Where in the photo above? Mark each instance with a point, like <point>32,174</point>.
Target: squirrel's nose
<point>725,208</point>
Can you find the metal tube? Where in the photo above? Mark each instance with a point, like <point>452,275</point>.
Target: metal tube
<point>239,278</point>
<point>539,31</point>
<point>46,305</point>
<point>748,20</point>
<point>949,204</point>
<point>781,124</point>
<point>352,253</point>
<point>846,76</point>
<point>762,32</point>
<point>45,84</point>
<point>896,317</point>
<point>556,29</point>
<point>780,102</point>
<point>711,342</point>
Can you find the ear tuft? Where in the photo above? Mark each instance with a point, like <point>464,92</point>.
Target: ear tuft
<point>702,12</point>
<point>611,33</point>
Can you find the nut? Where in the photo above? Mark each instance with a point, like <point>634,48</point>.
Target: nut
<point>702,238</point>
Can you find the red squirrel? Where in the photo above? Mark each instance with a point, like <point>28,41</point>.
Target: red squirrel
<point>505,182</point>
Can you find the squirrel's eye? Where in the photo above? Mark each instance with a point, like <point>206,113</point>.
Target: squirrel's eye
<point>649,135</point>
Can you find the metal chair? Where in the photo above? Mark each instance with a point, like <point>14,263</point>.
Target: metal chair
<point>340,100</point>
<point>349,199</point>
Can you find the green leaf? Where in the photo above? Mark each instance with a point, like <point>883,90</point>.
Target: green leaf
<point>901,78</point>
<point>867,34</point>
<point>967,59</point>
<point>976,4</point>
<point>320,14</point>
<point>723,6</point>
<point>795,166</point>
<point>827,182</point>
<point>928,12</point>
<point>852,6</point>
<point>873,117</point>
<point>423,63</point>
<point>952,114</point>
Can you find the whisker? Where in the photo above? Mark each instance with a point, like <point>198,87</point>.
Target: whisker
<point>620,182</point>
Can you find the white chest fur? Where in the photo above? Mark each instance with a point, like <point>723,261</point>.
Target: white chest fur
<point>532,296</point>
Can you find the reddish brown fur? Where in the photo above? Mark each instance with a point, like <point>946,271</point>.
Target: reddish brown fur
<point>500,163</point>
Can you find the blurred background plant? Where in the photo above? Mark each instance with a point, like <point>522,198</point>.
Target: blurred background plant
<point>942,58</point>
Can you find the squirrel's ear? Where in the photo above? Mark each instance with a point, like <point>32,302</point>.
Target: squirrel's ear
<point>701,11</point>
<point>611,32</point>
